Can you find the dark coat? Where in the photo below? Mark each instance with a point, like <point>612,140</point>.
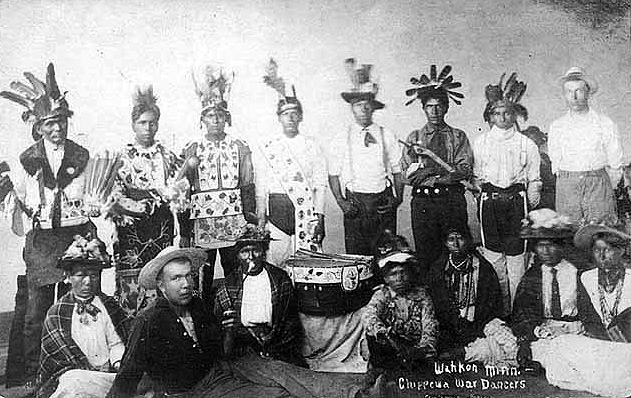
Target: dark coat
<point>160,346</point>
<point>488,304</point>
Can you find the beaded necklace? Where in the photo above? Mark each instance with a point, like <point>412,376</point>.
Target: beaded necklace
<point>461,296</point>
<point>610,312</point>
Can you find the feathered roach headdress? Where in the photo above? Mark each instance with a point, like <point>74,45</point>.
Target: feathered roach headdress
<point>212,86</point>
<point>285,102</point>
<point>43,101</point>
<point>144,100</point>
<point>363,88</point>
<point>509,95</point>
<point>439,86</point>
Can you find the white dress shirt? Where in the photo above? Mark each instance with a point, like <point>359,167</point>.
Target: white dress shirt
<point>256,302</point>
<point>97,339</point>
<point>505,157</point>
<point>307,153</point>
<point>365,168</point>
<point>567,279</point>
<point>584,142</point>
<point>55,154</point>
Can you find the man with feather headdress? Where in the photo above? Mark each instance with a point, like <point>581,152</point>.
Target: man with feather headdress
<point>142,211</point>
<point>437,158</point>
<point>49,189</point>
<point>507,171</point>
<point>363,158</point>
<point>219,170</point>
<point>291,184</point>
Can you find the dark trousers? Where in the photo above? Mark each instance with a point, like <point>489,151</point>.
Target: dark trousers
<point>15,354</point>
<point>432,218</point>
<point>39,301</point>
<point>362,229</point>
<point>500,219</point>
<point>228,263</point>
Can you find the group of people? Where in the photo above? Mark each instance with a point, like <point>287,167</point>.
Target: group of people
<point>255,208</point>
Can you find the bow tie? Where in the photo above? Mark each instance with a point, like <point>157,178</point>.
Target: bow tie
<point>85,308</point>
<point>368,138</point>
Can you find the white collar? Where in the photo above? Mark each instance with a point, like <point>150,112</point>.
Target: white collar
<point>503,134</point>
<point>50,147</point>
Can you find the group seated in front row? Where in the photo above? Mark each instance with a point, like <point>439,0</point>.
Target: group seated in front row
<point>179,345</point>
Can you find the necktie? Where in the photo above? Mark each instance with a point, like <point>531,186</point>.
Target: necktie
<point>556,296</point>
<point>368,138</point>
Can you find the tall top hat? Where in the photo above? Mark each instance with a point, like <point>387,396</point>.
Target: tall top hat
<point>363,87</point>
<point>42,101</point>
<point>212,86</point>
<point>285,102</point>
<point>435,86</point>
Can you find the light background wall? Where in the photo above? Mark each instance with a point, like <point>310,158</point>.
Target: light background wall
<point>102,48</point>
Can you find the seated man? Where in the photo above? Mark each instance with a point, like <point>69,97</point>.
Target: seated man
<point>546,299</point>
<point>401,328</point>
<point>257,304</point>
<point>85,331</point>
<point>177,343</point>
<point>466,294</point>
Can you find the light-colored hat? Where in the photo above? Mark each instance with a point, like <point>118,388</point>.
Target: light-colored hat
<point>585,235</point>
<point>149,273</point>
<point>546,224</point>
<point>363,88</point>
<point>576,73</point>
<point>85,251</point>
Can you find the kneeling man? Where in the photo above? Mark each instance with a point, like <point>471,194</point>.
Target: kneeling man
<point>84,333</point>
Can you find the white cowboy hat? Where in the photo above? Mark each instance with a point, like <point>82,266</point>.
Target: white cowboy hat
<point>149,273</point>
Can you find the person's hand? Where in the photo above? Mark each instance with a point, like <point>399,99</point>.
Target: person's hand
<point>533,193</point>
<point>230,321</point>
<point>185,242</point>
<point>543,332</point>
<point>419,176</point>
<point>5,186</point>
<point>346,206</point>
<point>318,232</point>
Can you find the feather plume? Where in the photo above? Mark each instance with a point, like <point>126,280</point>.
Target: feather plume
<point>493,93</point>
<point>51,82</point>
<point>424,79</point>
<point>144,96</point>
<point>23,89</point>
<point>432,72</point>
<point>444,73</point>
<point>509,83</point>
<point>521,92</point>
<point>272,79</point>
<point>350,65</point>
<point>16,98</point>
<point>38,85</point>
<point>363,74</point>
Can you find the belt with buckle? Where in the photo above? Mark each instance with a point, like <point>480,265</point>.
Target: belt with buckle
<point>441,190</point>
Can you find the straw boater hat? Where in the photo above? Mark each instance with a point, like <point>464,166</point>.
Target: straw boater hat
<point>212,86</point>
<point>585,235</point>
<point>362,87</point>
<point>149,273</point>
<point>285,102</point>
<point>547,224</point>
<point>42,100</point>
<point>576,73</point>
<point>435,85</point>
<point>85,251</point>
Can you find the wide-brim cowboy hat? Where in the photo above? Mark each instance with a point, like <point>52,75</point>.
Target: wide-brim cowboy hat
<point>576,73</point>
<point>585,235</point>
<point>149,273</point>
<point>547,233</point>
<point>547,224</point>
<point>354,96</point>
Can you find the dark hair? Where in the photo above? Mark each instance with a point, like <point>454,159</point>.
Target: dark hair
<point>611,239</point>
<point>439,95</point>
<point>139,109</point>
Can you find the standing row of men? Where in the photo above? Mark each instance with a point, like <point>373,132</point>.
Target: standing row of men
<point>366,175</point>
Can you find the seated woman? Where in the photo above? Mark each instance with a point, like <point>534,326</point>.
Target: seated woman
<point>400,324</point>
<point>466,294</point>
<point>597,361</point>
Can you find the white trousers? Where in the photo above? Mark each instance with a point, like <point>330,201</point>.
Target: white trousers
<point>510,270</point>
<point>79,383</point>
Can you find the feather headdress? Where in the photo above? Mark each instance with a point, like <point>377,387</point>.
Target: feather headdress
<point>143,100</point>
<point>212,86</point>
<point>363,85</point>
<point>442,83</point>
<point>42,100</point>
<point>509,93</point>
<point>272,79</point>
